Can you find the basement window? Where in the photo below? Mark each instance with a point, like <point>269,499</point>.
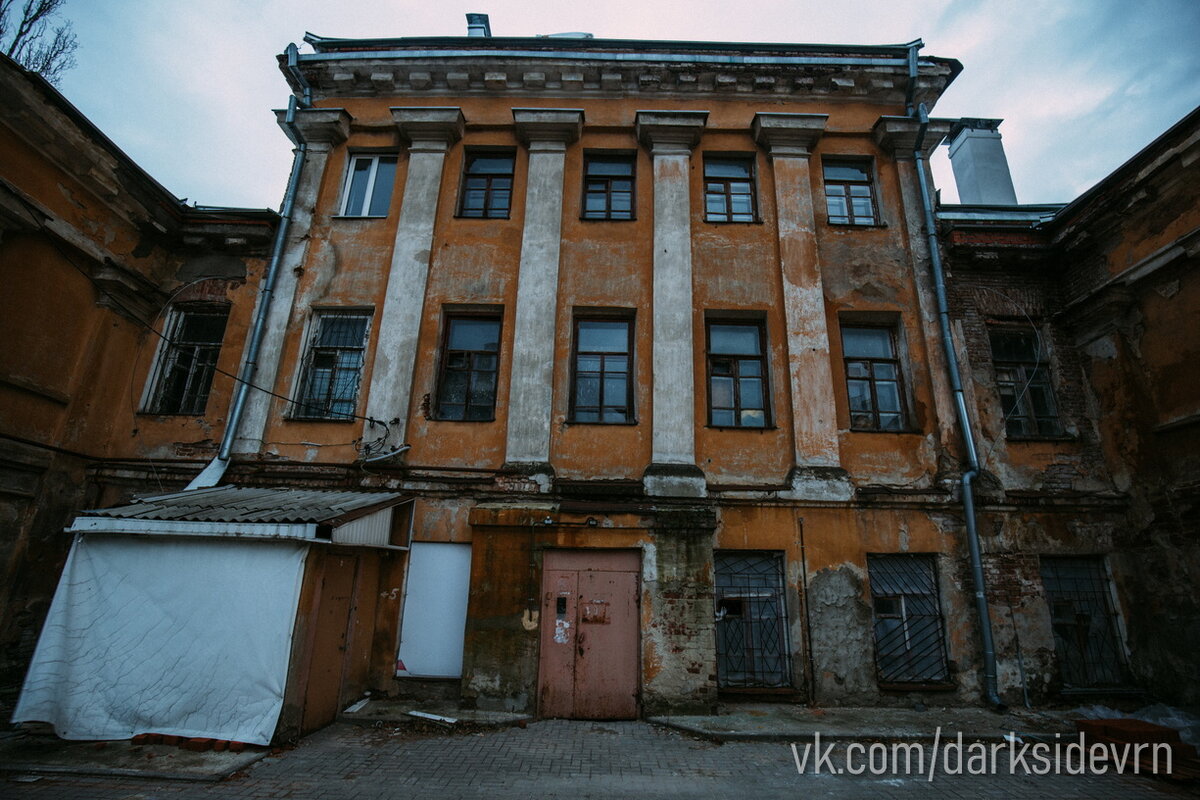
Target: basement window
<point>910,644</point>
<point>1084,620</point>
<point>333,365</point>
<point>368,191</point>
<point>1023,383</point>
<point>187,360</point>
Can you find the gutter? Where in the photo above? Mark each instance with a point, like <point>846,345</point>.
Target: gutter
<point>211,475</point>
<point>921,115</point>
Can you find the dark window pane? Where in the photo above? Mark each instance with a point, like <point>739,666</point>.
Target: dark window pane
<point>734,339</point>
<point>867,342</point>
<point>475,334</point>
<point>722,417</point>
<point>358,186</point>
<point>845,172</point>
<point>381,194</point>
<point>753,418</point>
<point>597,336</point>
<point>722,392</point>
<point>726,168</point>
<point>490,165</point>
<point>751,393</point>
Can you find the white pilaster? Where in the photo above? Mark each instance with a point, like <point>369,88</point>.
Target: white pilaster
<point>547,133</point>
<point>321,129</point>
<point>817,471</point>
<point>430,132</point>
<point>671,135</point>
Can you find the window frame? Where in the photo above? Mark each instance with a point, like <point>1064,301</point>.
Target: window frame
<point>168,355</point>
<point>588,315</point>
<point>1041,376</point>
<point>371,187</point>
<point>749,159</point>
<point>302,403</point>
<point>471,153</point>
<point>867,165</point>
<point>942,677</point>
<point>900,380</point>
<point>448,319</point>
<point>609,156</point>
<point>765,373</point>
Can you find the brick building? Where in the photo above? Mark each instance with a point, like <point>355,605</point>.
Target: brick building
<point>652,335</point>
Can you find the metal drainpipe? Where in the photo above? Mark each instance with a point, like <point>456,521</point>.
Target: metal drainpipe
<point>964,422</point>
<point>211,475</point>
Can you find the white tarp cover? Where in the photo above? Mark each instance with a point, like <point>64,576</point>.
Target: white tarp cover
<point>187,637</point>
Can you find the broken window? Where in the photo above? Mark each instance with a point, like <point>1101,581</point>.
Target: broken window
<point>1084,622</point>
<point>874,385</point>
<point>1023,382</point>
<point>752,641</point>
<point>849,192</point>
<point>729,194</point>
<point>487,185</point>
<point>601,389</point>
<point>737,375</point>
<point>368,191</point>
<point>470,365</point>
<point>910,645</point>
<point>187,359</point>
<point>608,186</point>
<point>333,365</point>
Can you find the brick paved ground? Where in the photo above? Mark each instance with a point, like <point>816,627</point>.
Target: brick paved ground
<point>564,759</point>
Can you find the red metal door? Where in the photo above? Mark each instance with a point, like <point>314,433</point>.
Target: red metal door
<point>590,634</point>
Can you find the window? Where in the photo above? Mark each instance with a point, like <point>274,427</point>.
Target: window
<point>187,358</point>
<point>470,362</point>
<point>729,190</point>
<point>849,195</point>
<point>873,384</point>
<point>1023,381</point>
<point>369,186</point>
<point>1082,615</point>
<point>608,187</point>
<point>752,623</point>
<point>910,644</point>
<point>601,389</point>
<point>737,375</point>
<point>333,365</point>
<point>487,185</point>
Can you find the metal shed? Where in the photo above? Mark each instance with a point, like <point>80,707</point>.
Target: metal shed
<point>249,614</point>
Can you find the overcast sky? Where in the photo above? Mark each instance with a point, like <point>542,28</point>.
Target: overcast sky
<point>186,87</point>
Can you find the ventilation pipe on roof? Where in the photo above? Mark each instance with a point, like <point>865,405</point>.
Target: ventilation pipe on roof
<point>980,167</point>
<point>921,116</point>
<point>478,25</point>
<point>211,475</point>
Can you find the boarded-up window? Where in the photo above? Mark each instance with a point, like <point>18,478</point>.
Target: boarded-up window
<point>435,610</point>
<point>910,644</point>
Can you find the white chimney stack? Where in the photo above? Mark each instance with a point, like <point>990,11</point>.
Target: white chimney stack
<point>478,25</point>
<point>980,168</point>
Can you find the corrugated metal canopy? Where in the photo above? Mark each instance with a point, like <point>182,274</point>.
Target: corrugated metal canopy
<point>250,504</point>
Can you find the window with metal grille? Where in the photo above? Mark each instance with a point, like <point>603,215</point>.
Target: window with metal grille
<point>1081,612</point>
<point>737,375</point>
<point>608,186</point>
<point>729,194</point>
<point>601,389</point>
<point>910,645</point>
<point>752,635</point>
<point>333,365</point>
<point>187,359</point>
<point>1023,382</point>
<point>849,192</point>
<point>470,364</point>
<point>487,185</point>
<point>368,191</point>
<point>874,385</point>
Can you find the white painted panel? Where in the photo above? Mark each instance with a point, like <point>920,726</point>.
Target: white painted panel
<point>374,529</point>
<point>183,636</point>
<point>435,609</point>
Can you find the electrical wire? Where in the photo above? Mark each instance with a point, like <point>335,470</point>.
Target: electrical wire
<point>369,448</point>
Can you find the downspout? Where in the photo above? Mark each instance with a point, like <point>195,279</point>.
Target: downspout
<point>211,475</point>
<point>921,115</point>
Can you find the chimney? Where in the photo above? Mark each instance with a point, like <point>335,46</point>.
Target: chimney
<point>478,25</point>
<point>980,168</point>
